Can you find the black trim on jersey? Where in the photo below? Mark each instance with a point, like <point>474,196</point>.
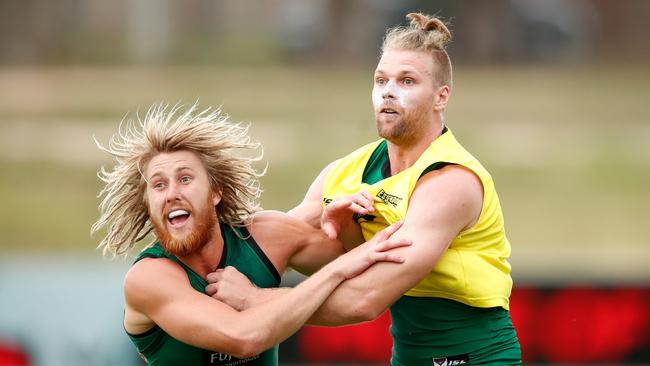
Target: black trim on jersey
<point>260,253</point>
<point>143,256</point>
<point>385,168</point>
<point>224,252</point>
<point>435,166</point>
<point>148,332</point>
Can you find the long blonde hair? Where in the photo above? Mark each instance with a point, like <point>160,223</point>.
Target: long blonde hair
<point>209,134</point>
<point>424,33</point>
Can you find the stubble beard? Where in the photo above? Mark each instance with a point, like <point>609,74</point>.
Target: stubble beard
<point>396,131</point>
<point>205,221</point>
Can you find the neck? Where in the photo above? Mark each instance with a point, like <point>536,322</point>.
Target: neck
<point>206,259</point>
<point>403,154</point>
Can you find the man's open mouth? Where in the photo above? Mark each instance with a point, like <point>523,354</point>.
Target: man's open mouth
<point>388,111</point>
<point>178,217</point>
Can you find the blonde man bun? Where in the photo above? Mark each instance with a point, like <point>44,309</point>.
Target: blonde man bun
<point>424,33</point>
<point>440,31</point>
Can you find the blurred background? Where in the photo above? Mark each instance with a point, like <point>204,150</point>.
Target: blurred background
<point>552,96</point>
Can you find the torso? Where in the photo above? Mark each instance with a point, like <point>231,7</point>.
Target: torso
<point>159,348</point>
<point>482,248</point>
<point>470,285</point>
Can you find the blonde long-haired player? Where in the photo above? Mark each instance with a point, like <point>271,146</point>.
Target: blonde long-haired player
<point>449,304</point>
<point>178,174</point>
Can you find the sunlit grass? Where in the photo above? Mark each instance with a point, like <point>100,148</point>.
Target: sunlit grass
<point>568,147</point>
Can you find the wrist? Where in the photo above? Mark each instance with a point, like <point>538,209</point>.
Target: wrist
<point>255,297</point>
<point>332,270</point>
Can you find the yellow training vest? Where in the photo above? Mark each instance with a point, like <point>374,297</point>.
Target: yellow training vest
<point>474,270</point>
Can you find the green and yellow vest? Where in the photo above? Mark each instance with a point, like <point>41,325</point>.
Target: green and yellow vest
<point>474,270</point>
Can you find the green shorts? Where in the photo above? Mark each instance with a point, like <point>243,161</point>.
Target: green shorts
<point>431,331</point>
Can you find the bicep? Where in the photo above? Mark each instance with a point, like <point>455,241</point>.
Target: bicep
<point>384,282</point>
<point>163,294</point>
<point>316,251</point>
<point>288,241</point>
<point>441,206</point>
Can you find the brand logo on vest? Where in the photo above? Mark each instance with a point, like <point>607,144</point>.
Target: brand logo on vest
<point>451,361</point>
<point>224,359</point>
<point>388,198</point>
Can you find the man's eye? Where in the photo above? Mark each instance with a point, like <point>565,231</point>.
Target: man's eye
<point>159,185</point>
<point>380,81</point>
<point>408,81</point>
<point>186,179</point>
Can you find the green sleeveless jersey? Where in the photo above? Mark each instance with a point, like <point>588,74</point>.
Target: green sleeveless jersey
<point>159,348</point>
<point>431,325</point>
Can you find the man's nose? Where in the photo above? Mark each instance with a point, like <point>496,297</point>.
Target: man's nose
<point>389,90</point>
<point>172,192</point>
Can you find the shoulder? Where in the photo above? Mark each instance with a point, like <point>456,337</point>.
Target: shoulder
<point>453,176</point>
<point>140,280</point>
<point>454,191</point>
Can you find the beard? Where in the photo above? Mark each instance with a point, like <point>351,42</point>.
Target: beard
<point>205,220</point>
<point>394,131</point>
<point>402,128</point>
<point>399,130</point>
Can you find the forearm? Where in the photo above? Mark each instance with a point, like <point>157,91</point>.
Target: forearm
<point>271,312</point>
<point>344,306</point>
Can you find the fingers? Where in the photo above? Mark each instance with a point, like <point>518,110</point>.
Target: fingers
<point>388,232</point>
<point>345,204</point>
<point>330,230</point>
<point>387,245</point>
<point>366,200</point>
<point>361,202</point>
<point>215,276</point>
<point>212,289</point>
<point>387,257</point>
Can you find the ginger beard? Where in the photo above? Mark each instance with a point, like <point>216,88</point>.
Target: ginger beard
<point>203,225</point>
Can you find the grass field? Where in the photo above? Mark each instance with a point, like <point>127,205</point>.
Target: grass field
<point>569,147</point>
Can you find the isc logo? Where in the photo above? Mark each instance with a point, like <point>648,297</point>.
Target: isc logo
<point>450,361</point>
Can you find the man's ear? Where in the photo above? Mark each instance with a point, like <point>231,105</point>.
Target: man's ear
<point>216,196</point>
<point>441,98</point>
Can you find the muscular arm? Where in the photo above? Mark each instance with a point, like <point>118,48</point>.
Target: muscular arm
<point>288,241</point>
<point>157,292</point>
<point>199,320</point>
<point>444,203</point>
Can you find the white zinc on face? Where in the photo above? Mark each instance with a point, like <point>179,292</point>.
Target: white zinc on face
<point>399,94</point>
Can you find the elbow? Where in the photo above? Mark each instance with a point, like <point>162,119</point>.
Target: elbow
<point>366,309</point>
<point>248,344</point>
